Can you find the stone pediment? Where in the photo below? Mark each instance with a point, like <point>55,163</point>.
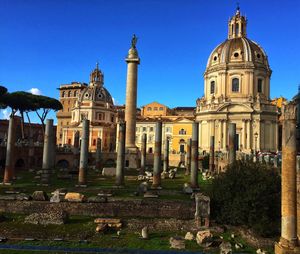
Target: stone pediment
<point>183,120</point>
<point>235,108</point>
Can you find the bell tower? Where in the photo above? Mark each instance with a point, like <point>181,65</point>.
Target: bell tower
<point>237,25</point>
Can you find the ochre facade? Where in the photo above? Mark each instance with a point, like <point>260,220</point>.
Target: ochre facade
<point>93,102</point>
<point>176,126</point>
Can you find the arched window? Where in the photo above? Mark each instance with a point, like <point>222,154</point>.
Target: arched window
<point>235,85</point>
<point>237,29</point>
<point>63,94</point>
<point>212,87</point>
<point>182,132</point>
<point>69,94</point>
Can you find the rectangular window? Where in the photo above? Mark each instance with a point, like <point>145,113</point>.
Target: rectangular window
<point>155,108</point>
<point>144,129</point>
<point>235,85</point>
<point>161,108</point>
<point>259,85</point>
<point>149,109</point>
<point>212,87</point>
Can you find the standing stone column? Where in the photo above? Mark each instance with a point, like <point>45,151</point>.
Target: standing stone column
<point>47,152</point>
<point>298,196</point>
<point>133,61</point>
<point>288,240</point>
<point>166,155</point>
<point>194,156</point>
<point>98,155</point>
<point>143,154</point>
<point>212,154</point>
<point>157,156</point>
<point>232,142</point>
<point>76,151</point>
<point>121,155</point>
<point>188,157</point>
<point>84,152</point>
<point>10,145</point>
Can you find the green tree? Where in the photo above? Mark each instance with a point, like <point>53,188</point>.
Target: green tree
<point>22,102</point>
<point>43,105</point>
<point>3,92</point>
<point>248,194</point>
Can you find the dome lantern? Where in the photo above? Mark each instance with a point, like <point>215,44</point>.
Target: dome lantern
<point>237,25</point>
<point>96,77</point>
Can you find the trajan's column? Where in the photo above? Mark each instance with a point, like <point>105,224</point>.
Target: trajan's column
<point>133,61</point>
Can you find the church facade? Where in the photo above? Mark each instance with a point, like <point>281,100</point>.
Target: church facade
<point>87,101</point>
<point>237,90</point>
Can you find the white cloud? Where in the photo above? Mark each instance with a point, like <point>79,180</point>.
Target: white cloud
<point>6,113</point>
<point>35,91</point>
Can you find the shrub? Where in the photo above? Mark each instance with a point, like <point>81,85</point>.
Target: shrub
<point>248,194</point>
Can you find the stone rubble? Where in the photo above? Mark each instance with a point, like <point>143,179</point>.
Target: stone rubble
<point>40,196</point>
<point>177,243</point>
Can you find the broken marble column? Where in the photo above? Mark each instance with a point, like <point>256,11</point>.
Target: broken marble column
<point>157,156</point>
<point>10,145</point>
<point>84,152</point>
<point>121,155</point>
<point>143,154</point>
<point>76,151</point>
<point>98,155</point>
<point>212,154</point>
<point>47,152</point>
<point>231,143</point>
<point>188,157</point>
<point>202,213</point>
<point>194,156</point>
<point>288,241</point>
<point>166,155</point>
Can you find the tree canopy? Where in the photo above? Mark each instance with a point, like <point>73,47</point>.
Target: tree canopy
<point>3,92</point>
<point>248,194</point>
<point>25,102</point>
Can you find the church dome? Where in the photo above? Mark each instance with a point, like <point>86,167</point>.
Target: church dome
<point>238,49</point>
<point>96,92</point>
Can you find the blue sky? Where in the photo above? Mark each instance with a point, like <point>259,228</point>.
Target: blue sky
<point>47,43</point>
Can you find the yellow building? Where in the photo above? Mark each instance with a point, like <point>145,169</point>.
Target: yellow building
<point>92,102</point>
<point>176,126</point>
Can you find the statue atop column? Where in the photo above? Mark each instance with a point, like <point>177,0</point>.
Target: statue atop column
<point>134,41</point>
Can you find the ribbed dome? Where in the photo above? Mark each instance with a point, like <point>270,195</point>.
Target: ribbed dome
<point>96,93</point>
<point>238,50</point>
